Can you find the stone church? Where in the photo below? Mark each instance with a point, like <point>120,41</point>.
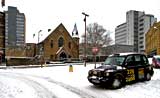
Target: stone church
<point>60,44</point>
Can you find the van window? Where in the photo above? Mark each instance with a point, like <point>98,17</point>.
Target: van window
<point>137,58</point>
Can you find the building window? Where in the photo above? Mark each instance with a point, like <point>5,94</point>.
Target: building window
<point>141,20</point>
<point>141,24</point>
<point>141,38</point>
<point>60,42</point>
<point>51,57</point>
<point>141,33</point>
<point>141,47</point>
<point>141,42</point>
<point>69,45</point>
<point>51,43</point>
<point>141,29</point>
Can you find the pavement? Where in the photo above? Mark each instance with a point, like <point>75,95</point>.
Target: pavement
<point>3,66</point>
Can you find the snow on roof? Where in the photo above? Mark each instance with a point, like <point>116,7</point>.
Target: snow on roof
<point>157,56</point>
<point>127,53</point>
<point>59,50</point>
<point>18,57</point>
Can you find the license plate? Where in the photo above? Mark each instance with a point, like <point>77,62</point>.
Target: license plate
<point>94,77</point>
<point>94,73</point>
<point>95,81</point>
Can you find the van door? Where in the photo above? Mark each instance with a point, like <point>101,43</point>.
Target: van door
<point>140,69</point>
<point>130,68</point>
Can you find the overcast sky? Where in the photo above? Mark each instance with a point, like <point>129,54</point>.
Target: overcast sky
<point>48,14</point>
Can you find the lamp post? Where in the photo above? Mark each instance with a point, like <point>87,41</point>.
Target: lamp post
<point>156,28</point>
<point>38,41</point>
<point>86,15</point>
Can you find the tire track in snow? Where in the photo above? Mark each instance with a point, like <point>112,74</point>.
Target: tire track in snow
<point>41,91</point>
<point>151,86</point>
<point>79,92</point>
<point>70,88</point>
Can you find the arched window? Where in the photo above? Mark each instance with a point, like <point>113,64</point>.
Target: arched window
<point>51,43</point>
<point>60,42</point>
<point>69,45</point>
<point>51,57</point>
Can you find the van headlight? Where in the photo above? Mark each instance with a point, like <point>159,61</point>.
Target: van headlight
<point>106,73</point>
<point>90,72</point>
<point>95,72</point>
<point>150,68</point>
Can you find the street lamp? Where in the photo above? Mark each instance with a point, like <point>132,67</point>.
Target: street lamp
<point>38,41</point>
<point>155,27</point>
<point>86,15</point>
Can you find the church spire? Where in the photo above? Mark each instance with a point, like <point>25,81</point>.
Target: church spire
<point>75,31</point>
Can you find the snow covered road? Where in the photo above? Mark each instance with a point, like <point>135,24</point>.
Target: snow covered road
<point>41,87</point>
<point>36,89</point>
<point>58,82</point>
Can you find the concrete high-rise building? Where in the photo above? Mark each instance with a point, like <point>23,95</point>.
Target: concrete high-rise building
<point>145,23</point>
<point>134,29</point>
<point>14,28</point>
<point>121,34</point>
<point>2,30</point>
<point>2,37</point>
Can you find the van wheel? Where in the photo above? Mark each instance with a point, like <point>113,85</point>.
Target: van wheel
<point>117,82</point>
<point>148,76</point>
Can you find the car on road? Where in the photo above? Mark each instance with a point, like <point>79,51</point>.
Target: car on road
<point>121,69</point>
<point>156,61</point>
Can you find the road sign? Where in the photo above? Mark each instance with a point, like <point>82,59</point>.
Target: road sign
<point>95,50</point>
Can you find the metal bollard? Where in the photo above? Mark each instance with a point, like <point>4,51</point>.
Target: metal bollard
<point>70,68</point>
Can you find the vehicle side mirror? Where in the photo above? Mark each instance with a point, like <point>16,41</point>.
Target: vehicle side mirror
<point>126,64</point>
<point>129,63</point>
<point>102,63</point>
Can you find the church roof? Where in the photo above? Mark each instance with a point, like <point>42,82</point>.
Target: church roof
<point>53,31</point>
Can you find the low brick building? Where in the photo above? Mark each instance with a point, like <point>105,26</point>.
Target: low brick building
<point>59,45</point>
<point>21,55</point>
<point>117,48</point>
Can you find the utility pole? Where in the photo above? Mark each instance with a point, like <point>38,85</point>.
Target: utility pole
<point>38,41</point>
<point>86,15</point>
<point>39,55</point>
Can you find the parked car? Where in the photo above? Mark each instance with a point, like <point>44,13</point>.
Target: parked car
<point>156,61</point>
<point>121,69</point>
<point>150,60</point>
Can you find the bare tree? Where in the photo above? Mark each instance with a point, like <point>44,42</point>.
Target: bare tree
<point>97,36</point>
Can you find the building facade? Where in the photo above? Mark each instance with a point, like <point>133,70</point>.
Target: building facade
<point>121,34</point>
<point>2,37</point>
<point>153,40</point>
<point>14,27</point>
<point>134,29</point>
<point>145,23</point>
<point>59,45</point>
<point>117,48</point>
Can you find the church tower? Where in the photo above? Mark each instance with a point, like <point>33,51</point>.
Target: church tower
<point>75,35</point>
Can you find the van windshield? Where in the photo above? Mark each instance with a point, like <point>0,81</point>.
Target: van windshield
<point>114,60</point>
<point>158,59</point>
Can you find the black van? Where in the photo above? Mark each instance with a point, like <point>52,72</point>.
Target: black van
<point>120,69</point>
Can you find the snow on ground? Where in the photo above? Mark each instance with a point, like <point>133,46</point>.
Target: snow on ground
<point>58,82</point>
<point>13,89</point>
